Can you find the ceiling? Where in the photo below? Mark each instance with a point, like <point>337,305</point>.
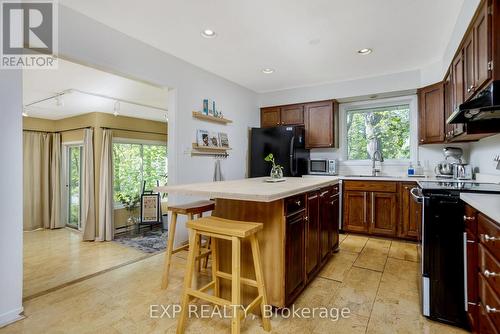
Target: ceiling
<point>306,42</point>
<point>39,85</point>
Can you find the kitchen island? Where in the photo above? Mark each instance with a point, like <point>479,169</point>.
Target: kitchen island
<point>301,224</point>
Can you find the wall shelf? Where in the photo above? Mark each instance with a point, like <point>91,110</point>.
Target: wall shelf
<point>199,115</point>
<point>210,148</point>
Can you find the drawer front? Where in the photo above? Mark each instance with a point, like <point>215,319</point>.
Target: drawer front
<point>490,301</point>
<point>490,268</point>
<point>486,326</point>
<point>489,234</point>
<point>470,218</point>
<point>295,204</point>
<point>378,186</point>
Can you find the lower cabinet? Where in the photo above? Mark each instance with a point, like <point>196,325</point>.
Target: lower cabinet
<point>482,254</point>
<point>383,213</point>
<point>312,235</point>
<point>384,208</point>
<point>411,213</point>
<point>295,255</point>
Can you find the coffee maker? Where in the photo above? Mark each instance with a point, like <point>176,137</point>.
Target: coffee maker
<point>453,166</point>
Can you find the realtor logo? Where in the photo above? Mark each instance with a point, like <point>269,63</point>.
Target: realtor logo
<point>28,37</point>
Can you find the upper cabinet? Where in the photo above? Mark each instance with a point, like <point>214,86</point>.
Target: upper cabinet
<point>431,114</point>
<point>321,122</point>
<point>270,117</point>
<point>471,70</point>
<point>481,33</point>
<point>292,115</point>
<point>319,118</point>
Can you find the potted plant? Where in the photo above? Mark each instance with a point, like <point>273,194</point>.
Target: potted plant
<point>130,203</point>
<point>276,170</point>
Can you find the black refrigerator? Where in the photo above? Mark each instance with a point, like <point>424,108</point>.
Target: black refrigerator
<point>286,143</point>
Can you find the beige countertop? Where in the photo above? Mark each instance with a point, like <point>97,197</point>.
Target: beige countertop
<point>254,189</point>
<point>488,204</point>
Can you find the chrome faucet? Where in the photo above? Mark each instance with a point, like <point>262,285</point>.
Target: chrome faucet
<point>376,156</point>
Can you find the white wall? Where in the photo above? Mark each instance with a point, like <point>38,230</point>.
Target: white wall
<point>11,197</point>
<point>87,41</point>
<point>483,152</point>
<point>345,89</point>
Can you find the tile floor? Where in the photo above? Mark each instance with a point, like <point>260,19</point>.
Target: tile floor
<point>375,278</point>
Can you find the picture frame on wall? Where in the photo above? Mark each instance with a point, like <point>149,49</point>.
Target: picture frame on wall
<point>150,208</point>
<point>213,139</point>
<point>223,140</point>
<point>202,138</point>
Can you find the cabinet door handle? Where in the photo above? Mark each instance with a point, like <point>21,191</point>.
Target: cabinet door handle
<point>373,209</point>
<point>298,202</point>
<point>490,309</point>
<point>487,238</point>
<point>323,193</point>
<point>466,218</point>
<point>364,208</point>
<point>489,274</point>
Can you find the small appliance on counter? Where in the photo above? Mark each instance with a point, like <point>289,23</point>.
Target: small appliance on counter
<point>452,166</point>
<point>322,167</point>
<point>462,172</point>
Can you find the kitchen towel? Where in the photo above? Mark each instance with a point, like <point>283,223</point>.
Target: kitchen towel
<point>217,171</point>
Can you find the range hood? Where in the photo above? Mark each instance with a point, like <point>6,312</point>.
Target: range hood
<point>485,106</point>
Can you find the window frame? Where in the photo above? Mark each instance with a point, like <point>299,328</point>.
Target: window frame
<point>122,140</point>
<point>410,100</point>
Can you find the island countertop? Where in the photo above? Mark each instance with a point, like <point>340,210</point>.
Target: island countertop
<point>253,189</point>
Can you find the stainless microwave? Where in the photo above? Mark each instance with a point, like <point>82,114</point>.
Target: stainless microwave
<point>322,167</point>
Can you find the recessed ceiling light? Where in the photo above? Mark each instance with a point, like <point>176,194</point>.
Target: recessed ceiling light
<point>365,52</point>
<point>208,33</point>
<point>267,70</point>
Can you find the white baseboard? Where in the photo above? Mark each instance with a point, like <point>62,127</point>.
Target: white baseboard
<point>11,316</point>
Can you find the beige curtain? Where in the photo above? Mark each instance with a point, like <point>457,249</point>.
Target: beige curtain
<point>88,205</point>
<point>56,189</point>
<point>106,203</point>
<point>42,180</point>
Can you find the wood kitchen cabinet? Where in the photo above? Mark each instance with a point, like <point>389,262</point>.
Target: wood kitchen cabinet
<point>282,115</point>
<point>321,121</point>
<point>468,51</point>
<point>431,118</point>
<point>312,233</point>
<point>292,115</point>
<point>411,213</point>
<point>482,46</point>
<point>383,213</point>
<point>295,274</point>
<point>371,207</point>
<point>355,211</point>
<point>270,117</point>
<point>482,254</point>
<point>321,124</point>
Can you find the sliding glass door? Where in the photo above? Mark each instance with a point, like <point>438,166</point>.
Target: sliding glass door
<point>73,184</point>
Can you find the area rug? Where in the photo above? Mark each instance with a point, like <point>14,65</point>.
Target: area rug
<point>147,242</point>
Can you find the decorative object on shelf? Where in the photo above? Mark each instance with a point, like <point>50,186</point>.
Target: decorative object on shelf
<point>209,107</point>
<point>213,139</point>
<point>276,170</point>
<point>202,138</point>
<point>130,204</point>
<point>220,119</point>
<point>223,139</point>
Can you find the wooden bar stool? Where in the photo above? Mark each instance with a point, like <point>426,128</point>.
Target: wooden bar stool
<point>234,231</point>
<point>190,210</point>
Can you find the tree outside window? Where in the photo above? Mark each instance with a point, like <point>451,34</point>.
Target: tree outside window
<point>387,128</point>
<point>135,163</point>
